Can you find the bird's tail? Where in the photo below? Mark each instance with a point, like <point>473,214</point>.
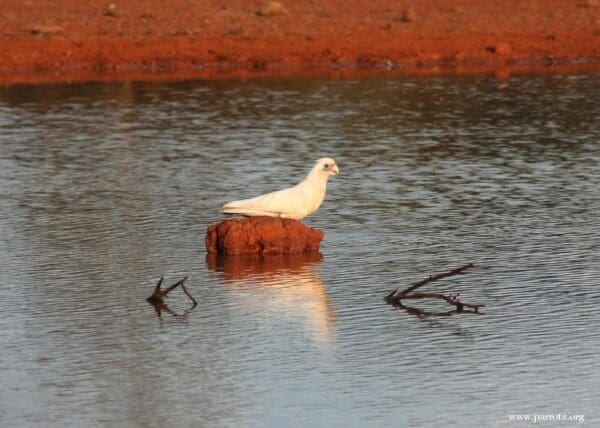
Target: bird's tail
<point>228,209</point>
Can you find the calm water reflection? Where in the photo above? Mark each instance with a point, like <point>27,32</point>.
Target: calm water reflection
<point>105,188</point>
<point>281,285</point>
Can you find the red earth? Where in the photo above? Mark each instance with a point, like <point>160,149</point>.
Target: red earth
<point>261,235</point>
<point>73,41</point>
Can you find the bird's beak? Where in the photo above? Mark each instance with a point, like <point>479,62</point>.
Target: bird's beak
<point>335,170</point>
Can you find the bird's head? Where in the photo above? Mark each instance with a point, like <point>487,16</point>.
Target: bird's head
<point>327,166</point>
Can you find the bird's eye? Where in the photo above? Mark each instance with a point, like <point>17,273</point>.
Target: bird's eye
<point>326,166</point>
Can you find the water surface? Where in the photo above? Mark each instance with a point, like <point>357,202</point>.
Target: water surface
<point>107,187</point>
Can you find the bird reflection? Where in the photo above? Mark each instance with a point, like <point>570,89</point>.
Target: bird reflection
<point>289,280</point>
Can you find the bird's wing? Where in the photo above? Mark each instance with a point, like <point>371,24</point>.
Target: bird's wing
<point>283,203</point>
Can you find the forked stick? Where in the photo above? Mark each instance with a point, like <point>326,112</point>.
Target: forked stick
<point>158,294</point>
<point>395,298</point>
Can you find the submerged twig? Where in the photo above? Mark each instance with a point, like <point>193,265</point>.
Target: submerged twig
<point>156,299</point>
<point>395,297</point>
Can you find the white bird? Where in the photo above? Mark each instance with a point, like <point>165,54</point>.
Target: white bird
<point>295,202</point>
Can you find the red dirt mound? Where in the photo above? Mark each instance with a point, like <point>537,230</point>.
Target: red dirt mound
<point>261,235</point>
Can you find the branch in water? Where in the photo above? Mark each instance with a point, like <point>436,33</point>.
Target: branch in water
<point>453,272</point>
<point>156,299</point>
<point>395,298</point>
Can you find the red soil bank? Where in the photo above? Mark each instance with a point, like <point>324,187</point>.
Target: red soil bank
<point>261,235</point>
<point>78,40</point>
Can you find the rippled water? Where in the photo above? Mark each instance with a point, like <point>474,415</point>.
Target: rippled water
<point>105,188</point>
